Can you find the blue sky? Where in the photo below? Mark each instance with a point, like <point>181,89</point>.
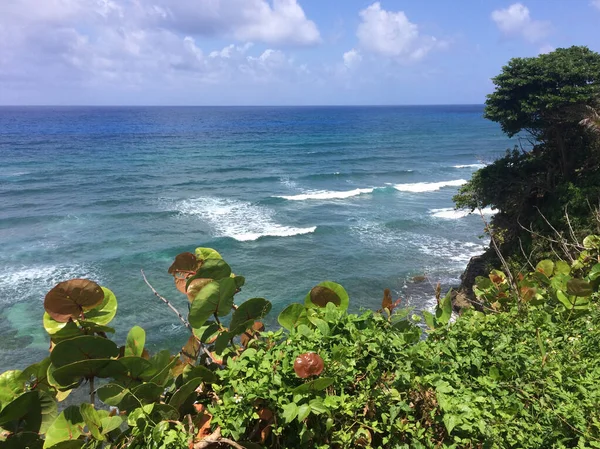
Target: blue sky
<point>279,52</point>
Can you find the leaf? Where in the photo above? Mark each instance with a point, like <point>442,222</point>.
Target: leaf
<point>214,269</point>
<point>292,316</point>
<point>207,253</point>
<point>314,385</point>
<point>208,332</point>
<point>11,386</point>
<point>214,298</point>
<point>110,423</point>
<point>303,412</point>
<point>60,331</point>
<point>136,339</point>
<point>317,406</point>
<point>191,350</point>
<point>254,309</point>
<point>200,372</point>
<point>387,302</point>
<point>562,267</point>
<point>290,412</point>
<point>106,311</point>
<point>32,412</point>
<point>443,311</point>
<point>579,287</point>
<point>82,348</point>
<point>69,299</point>
<point>450,421</point>
<point>308,364</point>
<point>546,267</point>
<point>180,396</point>
<point>135,369</point>
<point>327,292</point>
<point>67,426</point>
<point>92,420</point>
<point>184,262</point>
<point>192,287</point>
<point>67,375</point>
<point>592,242</point>
<point>239,281</point>
<point>429,319</point>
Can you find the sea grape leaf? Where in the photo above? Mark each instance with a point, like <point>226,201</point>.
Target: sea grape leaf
<point>592,242</point>
<point>200,372</point>
<point>68,374</point>
<point>253,309</point>
<point>208,332</point>
<point>11,386</point>
<point>327,292</point>
<point>207,253</point>
<point>58,330</point>
<point>134,345</point>
<point>292,316</point>
<point>546,267</point>
<point>68,300</point>
<point>239,281</point>
<point>562,267</point>
<point>194,285</point>
<point>579,287</point>
<point>178,399</point>
<point>105,311</point>
<point>136,369</point>
<point>214,298</point>
<point>82,348</point>
<point>68,426</point>
<point>31,412</point>
<point>92,420</point>
<point>214,269</point>
<point>314,385</point>
<point>184,262</point>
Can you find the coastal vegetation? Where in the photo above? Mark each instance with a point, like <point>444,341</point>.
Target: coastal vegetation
<point>519,368</point>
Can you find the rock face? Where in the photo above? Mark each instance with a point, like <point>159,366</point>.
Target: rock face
<point>477,266</point>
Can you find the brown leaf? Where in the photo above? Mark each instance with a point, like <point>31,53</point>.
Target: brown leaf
<point>496,279</point>
<point>265,414</point>
<point>191,351</point>
<point>180,283</point>
<point>387,301</point>
<point>320,296</point>
<point>69,299</point>
<point>308,364</point>
<point>195,286</point>
<point>184,262</point>
<point>256,327</point>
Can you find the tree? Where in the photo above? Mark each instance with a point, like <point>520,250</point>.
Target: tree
<point>552,100</point>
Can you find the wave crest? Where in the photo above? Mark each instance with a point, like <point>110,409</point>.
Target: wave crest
<point>327,195</point>
<point>419,187</point>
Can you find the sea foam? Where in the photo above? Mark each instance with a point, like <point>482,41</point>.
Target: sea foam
<point>453,214</point>
<point>239,220</point>
<point>419,187</point>
<point>470,166</point>
<point>328,195</point>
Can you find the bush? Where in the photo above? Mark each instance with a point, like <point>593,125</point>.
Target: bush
<point>522,375</point>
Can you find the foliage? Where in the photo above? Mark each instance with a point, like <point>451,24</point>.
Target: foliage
<point>552,102</point>
<point>523,375</point>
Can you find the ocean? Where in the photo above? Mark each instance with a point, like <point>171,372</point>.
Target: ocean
<point>290,196</point>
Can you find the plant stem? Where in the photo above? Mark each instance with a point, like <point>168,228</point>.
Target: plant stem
<point>92,391</point>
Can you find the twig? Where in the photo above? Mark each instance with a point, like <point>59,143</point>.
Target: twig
<point>527,258</point>
<point>181,318</point>
<point>92,391</point>
<point>216,438</point>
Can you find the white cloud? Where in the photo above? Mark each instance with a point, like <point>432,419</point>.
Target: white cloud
<point>283,22</point>
<point>546,49</point>
<point>352,58</point>
<point>391,34</point>
<point>595,3</point>
<point>516,21</point>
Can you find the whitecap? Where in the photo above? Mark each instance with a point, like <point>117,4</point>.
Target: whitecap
<point>239,220</point>
<point>419,187</point>
<point>454,214</point>
<point>469,166</point>
<point>327,195</point>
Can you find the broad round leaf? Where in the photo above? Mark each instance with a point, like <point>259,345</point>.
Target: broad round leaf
<point>60,331</point>
<point>214,269</point>
<point>11,386</point>
<point>69,425</point>
<point>68,374</point>
<point>69,299</point>
<point>106,311</point>
<point>194,286</point>
<point>579,287</point>
<point>214,298</point>
<point>314,385</point>
<point>292,316</point>
<point>253,309</point>
<point>136,339</point>
<point>207,253</point>
<point>308,364</point>
<point>327,292</point>
<point>82,348</point>
<point>546,267</point>
<point>184,262</point>
<point>136,369</point>
<point>592,242</point>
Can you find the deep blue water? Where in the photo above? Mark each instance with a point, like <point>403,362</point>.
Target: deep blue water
<point>289,196</point>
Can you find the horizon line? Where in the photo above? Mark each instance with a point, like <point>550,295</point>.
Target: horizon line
<point>232,105</point>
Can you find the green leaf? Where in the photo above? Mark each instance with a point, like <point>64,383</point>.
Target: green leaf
<point>239,281</point>
<point>82,348</point>
<point>32,412</point>
<point>208,332</point>
<point>290,412</point>
<point>592,242</point>
<point>317,407</point>
<point>214,269</point>
<point>314,385</point>
<point>303,412</point>
<point>135,369</point>
<point>327,292</point>
<point>106,311</point>
<point>200,372</point>
<point>60,331</point>
<point>110,423</point>
<point>207,253</point>
<point>68,374</point>
<point>180,396</point>
<point>67,426</point>
<point>443,311</point>
<point>215,297</point>
<point>252,310</point>
<point>11,386</point>
<point>113,394</point>
<point>92,420</point>
<point>562,267</point>
<point>579,287</point>
<point>450,421</point>
<point>134,345</point>
<point>429,319</point>
<point>546,267</point>
<point>292,316</point>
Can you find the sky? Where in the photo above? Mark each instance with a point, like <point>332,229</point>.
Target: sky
<point>275,52</point>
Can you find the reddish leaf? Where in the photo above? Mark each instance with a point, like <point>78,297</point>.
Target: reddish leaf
<point>308,364</point>
<point>320,296</point>
<point>195,286</point>
<point>69,299</point>
<point>184,262</point>
<point>387,301</point>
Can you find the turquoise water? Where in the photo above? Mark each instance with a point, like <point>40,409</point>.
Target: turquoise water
<point>289,196</point>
